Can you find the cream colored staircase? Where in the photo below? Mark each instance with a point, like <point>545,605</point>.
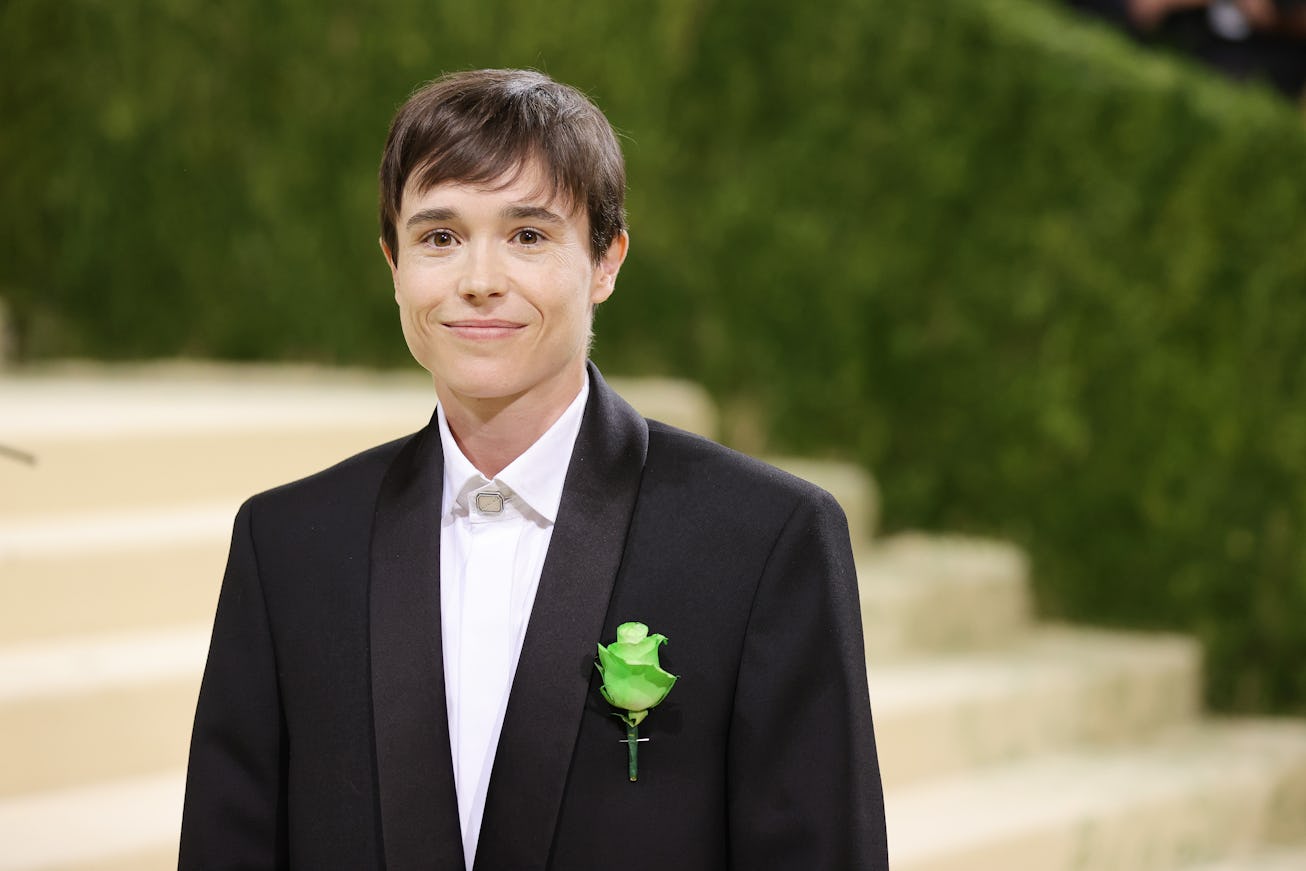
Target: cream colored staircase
<point>1005,744</point>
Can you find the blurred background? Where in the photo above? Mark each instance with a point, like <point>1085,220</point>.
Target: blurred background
<point>1039,266</point>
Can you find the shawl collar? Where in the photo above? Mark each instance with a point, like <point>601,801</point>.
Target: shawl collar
<point>557,659</point>
<point>418,802</point>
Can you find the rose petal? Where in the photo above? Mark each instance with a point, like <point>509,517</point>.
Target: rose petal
<point>636,687</point>
<point>606,659</point>
<point>643,652</point>
<point>629,633</point>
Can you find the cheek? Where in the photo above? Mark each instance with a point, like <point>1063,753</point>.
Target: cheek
<point>414,298</point>
<point>406,308</point>
<point>414,314</point>
<point>414,335</point>
<point>576,312</point>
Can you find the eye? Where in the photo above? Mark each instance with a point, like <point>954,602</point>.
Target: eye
<point>439,239</point>
<point>529,237</point>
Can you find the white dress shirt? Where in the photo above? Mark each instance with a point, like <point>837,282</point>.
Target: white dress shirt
<point>494,534</point>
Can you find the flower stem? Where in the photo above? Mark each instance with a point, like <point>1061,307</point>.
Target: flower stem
<point>632,742</point>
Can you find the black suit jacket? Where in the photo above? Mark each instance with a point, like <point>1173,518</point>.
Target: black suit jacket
<point>321,737</point>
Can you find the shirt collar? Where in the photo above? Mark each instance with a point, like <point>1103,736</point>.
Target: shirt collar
<point>534,479</point>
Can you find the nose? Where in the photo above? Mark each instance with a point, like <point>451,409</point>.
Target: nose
<point>483,276</point>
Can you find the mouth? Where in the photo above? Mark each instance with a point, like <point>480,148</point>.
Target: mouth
<point>477,329</point>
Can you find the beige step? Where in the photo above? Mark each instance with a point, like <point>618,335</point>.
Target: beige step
<point>126,825</point>
<point>678,403</point>
<point>112,571</point>
<point>123,442</point>
<point>1050,690</point>
<point>1209,793</point>
<point>97,707</point>
<point>110,592</point>
<point>938,592</point>
<point>106,442</point>
<point>151,470</point>
<point>157,858</point>
<point>1271,859</point>
<point>81,402</point>
<point>77,398</point>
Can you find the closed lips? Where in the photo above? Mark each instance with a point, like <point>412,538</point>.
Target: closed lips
<point>488,326</point>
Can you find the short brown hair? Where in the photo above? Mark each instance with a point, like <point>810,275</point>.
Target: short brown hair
<point>480,126</point>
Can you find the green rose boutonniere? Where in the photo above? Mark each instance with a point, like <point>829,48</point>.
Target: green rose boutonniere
<point>632,679</point>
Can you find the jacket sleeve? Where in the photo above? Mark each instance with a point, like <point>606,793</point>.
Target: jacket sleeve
<point>803,778</point>
<point>235,807</point>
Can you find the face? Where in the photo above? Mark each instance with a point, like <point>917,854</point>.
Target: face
<point>496,290</point>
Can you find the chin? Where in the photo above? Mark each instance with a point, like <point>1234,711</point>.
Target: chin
<point>479,382</point>
<point>505,377</point>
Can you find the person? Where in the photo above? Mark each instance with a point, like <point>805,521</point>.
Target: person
<point>1244,39</point>
<point>402,667</point>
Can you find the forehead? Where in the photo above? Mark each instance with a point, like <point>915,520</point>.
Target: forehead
<point>528,185</point>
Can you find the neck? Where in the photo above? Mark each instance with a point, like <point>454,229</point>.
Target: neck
<point>493,432</point>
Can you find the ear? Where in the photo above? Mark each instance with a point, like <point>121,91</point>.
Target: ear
<point>390,261</point>
<point>605,271</point>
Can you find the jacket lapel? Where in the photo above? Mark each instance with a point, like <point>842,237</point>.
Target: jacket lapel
<point>553,675</point>
<point>418,803</point>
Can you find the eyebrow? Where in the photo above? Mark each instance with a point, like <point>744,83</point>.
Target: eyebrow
<point>535,213</point>
<point>440,214</point>
<point>431,216</point>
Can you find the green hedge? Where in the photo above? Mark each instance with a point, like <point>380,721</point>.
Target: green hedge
<point>1045,285</point>
<point>198,178</point>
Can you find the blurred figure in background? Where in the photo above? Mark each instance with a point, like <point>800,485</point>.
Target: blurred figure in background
<point>1245,39</point>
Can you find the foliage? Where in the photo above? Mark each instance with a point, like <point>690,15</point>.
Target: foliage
<point>1045,285</point>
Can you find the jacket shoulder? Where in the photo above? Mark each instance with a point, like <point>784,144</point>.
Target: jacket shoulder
<point>728,471</point>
